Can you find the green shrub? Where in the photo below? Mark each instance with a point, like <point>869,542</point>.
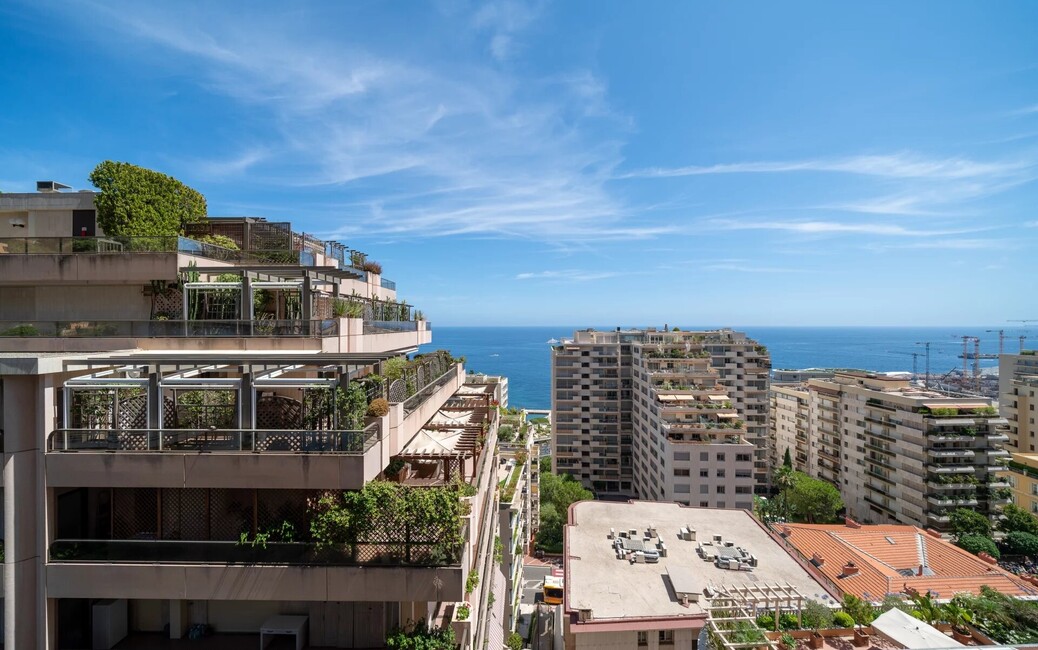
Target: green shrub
<point>421,637</point>
<point>463,612</point>
<point>472,581</point>
<point>1020,543</point>
<point>219,240</point>
<point>21,330</point>
<point>788,621</point>
<point>514,641</point>
<point>371,266</point>
<point>766,622</point>
<point>977,543</point>
<point>843,619</point>
<point>788,641</point>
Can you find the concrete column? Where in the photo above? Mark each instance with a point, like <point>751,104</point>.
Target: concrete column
<point>22,618</point>
<point>178,619</point>
<point>247,406</point>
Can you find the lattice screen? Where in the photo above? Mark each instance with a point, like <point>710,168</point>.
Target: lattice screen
<point>278,412</point>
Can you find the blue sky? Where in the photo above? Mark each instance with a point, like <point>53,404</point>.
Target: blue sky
<point>512,162</point>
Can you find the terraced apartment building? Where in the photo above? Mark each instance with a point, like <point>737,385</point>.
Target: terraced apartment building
<point>904,454</point>
<point>1018,397</point>
<point>184,423</point>
<point>662,414</point>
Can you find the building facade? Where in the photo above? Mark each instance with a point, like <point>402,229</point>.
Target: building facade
<point>1018,395</point>
<point>178,419</point>
<point>790,412</point>
<point>664,415</point>
<point>903,454</point>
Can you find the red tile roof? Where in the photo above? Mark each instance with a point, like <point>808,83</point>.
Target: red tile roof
<point>884,554</point>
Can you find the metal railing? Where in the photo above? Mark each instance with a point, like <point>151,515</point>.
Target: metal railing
<point>388,284</point>
<point>414,401</point>
<point>274,553</point>
<point>278,441</point>
<point>169,328</point>
<point>129,245</point>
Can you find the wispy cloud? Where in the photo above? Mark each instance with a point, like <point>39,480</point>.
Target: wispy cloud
<point>742,267</point>
<point>504,19</point>
<point>492,156</point>
<point>834,227</point>
<point>569,275</point>
<point>950,244</point>
<point>898,165</point>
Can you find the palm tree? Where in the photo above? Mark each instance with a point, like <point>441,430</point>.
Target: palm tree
<point>785,478</point>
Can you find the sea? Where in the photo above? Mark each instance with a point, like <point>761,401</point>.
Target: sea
<point>523,353</point>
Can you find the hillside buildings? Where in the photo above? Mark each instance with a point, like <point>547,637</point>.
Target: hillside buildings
<point>1017,396</point>
<point>898,453</point>
<point>178,415</point>
<point>663,415</point>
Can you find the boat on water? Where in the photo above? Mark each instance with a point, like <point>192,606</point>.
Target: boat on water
<point>552,341</point>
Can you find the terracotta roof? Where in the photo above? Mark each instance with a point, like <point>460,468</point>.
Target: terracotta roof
<point>889,559</point>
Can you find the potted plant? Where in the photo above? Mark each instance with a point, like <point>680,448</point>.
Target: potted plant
<point>863,614</point>
<point>396,470</point>
<point>960,619</point>
<point>788,641</point>
<point>816,617</point>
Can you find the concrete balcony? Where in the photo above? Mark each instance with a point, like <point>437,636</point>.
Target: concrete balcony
<point>215,458</point>
<point>952,501</point>
<point>181,570</point>
<point>336,335</point>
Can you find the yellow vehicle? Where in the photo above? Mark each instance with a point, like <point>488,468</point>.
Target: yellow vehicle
<point>552,590</point>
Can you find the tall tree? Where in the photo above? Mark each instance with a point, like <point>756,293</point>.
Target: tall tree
<point>1016,519</point>
<point>787,459</point>
<point>969,522</point>
<point>139,202</point>
<point>812,500</point>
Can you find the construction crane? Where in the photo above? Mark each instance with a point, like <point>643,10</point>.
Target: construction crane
<point>1001,340</point>
<point>965,356</point>
<point>915,360</point>
<point>927,344</point>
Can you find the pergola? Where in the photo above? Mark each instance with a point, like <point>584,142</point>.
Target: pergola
<point>731,615</point>
<point>769,597</point>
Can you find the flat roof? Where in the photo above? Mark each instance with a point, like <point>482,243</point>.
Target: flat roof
<point>616,589</point>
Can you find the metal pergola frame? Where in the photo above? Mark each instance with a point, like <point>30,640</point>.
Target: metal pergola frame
<point>743,602</point>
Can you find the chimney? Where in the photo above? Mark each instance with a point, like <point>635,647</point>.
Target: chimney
<point>987,558</point>
<point>850,523</point>
<point>849,569</point>
<point>933,533</point>
<point>817,560</point>
<point>786,531</point>
<point>920,570</point>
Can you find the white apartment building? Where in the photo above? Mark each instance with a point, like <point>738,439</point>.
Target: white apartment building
<point>904,454</point>
<point>664,415</point>
<point>790,412</point>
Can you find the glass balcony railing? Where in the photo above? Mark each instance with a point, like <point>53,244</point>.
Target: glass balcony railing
<point>214,440</point>
<point>231,553</point>
<point>133,245</point>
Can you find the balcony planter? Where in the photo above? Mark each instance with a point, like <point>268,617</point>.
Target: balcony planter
<point>861,638</point>
<point>962,636</point>
<point>815,641</point>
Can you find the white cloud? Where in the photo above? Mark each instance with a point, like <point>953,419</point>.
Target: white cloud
<point>899,165</point>
<point>571,275</point>
<point>954,244</point>
<point>833,227</point>
<point>488,154</point>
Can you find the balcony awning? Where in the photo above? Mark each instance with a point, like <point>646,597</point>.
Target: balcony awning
<point>676,398</point>
<point>474,389</point>
<point>717,398</point>
<point>439,443</point>
<point>453,419</point>
<point>729,416</point>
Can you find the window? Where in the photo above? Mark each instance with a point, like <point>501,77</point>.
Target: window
<point>682,489</point>
<point>720,457</point>
<point>704,456</point>
<point>704,473</point>
<point>666,636</point>
<point>720,473</point>
<point>681,472</point>
<point>742,458</point>
<point>643,638</point>
<point>704,504</point>
<point>720,489</point>
<point>682,455</point>
<point>704,489</point>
